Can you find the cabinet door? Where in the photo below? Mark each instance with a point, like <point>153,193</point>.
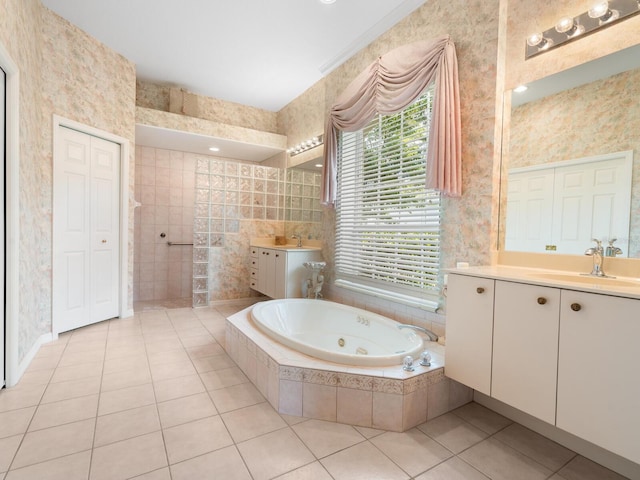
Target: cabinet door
<point>525,348</point>
<point>469,331</point>
<point>598,373</point>
<point>265,271</point>
<point>279,274</point>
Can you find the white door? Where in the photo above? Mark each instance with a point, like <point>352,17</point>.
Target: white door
<point>86,230</point>
<point>3,222</point>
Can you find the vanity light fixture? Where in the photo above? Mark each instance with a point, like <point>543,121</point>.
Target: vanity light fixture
<point>306,145</point>
<point>601,14</point>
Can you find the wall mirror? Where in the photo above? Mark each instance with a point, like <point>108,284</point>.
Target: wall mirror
<point>566,130</point>
<point>303,212</point>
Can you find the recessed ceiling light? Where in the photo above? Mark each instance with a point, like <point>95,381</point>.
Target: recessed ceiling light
<point>327,2</point>
<point>214,149</point>
<point>520,88</point>
<point>319,165</point>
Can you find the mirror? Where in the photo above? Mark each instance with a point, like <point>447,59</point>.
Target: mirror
<point>303,212</point>
<point>585,114</point>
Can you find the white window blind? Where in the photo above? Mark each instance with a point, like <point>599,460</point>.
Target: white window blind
<point>388,223</point>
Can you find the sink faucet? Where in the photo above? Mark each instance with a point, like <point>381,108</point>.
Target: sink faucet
<point>597,253</point>
<point>432,336</point>
<point>299,237</point>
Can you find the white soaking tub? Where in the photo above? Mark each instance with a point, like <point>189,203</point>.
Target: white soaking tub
<point>335,332</point>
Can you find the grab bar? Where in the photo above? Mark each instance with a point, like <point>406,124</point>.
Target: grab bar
<point>178,243</point>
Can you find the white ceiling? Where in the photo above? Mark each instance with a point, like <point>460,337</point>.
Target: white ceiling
<point>261,53</point>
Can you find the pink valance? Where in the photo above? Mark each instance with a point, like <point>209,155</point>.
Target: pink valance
<point>387,86</point>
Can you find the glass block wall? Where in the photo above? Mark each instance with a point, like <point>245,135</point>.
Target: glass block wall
<point>302,200</point>
<point>231,198</point>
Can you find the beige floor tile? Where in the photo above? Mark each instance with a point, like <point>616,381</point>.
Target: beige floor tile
<point>43,445</point>
<point>324,438</point>
<point>178,387</point>
<point>213,362</point>
<point>313,471</point>
<point>581,468</point>
<point>126,424</point>
<point>541,449</point>
<point>275,453</point>
<point>126,398</point>
<point>186,409</point>
<point>120,351</point>
<point>77,372</point>
<point>71,467</point>
<point>367,432</point>
<point>37,377</point>
<point>210,350</point>
<point>128,458</point>
<point>172,370</point>
<point>165,345</point>
<point>362,461</point>
<point>92,356</point>
<point>124,379</point>
<point>15,422</point>
<point>453,469</point>
<point>20,396</point>
<point>293,419</point>
<point>57,392</point>
<point>453,432</point>
<point>173,356</point>
<point>412,450</point>
<point>249,422</point>
<point>500,462</point>
<point>227,377</point>
<point>122,364</point>
<point>86,345</point>
<point>238,396</point>
<point>8,448</point>
<point>160,474</point>
<point>66,411</point>
<point>191,328</point>
<point>44,362</point>
<point>199,340</point>
<point>196,438</point>
<point>225,463</point>
<point>482,418</point>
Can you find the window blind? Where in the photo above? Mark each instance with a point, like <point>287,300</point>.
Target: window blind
<point>388,223</point>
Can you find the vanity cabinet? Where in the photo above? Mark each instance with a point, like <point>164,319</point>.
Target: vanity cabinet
<point>598,372</point>
<point>562,355</point>
<point>278,272</point>
<point>525,346</point>
<point>469,331</point>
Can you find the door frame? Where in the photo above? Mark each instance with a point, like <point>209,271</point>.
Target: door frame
<point>12,215</point>
<point>123,288</point>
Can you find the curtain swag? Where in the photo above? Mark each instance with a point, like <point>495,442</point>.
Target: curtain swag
<point>387,86</point>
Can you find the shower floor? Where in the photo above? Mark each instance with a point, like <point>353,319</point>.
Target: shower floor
<point>166,304</point>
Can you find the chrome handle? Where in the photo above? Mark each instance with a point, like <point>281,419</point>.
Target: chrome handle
<point>542,300</point>
<point>576,307</point>
<point>480,289</point>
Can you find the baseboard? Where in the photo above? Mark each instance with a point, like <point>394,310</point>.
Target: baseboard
<point>586,449</point>
<point>28,358</point>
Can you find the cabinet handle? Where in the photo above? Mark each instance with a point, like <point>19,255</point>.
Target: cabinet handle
<point>480,289</point>
<point>576,307</point>
<point>542,300</point>
<point>277,255</point>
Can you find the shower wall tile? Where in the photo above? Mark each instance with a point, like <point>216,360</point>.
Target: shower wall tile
<point>166,189</point>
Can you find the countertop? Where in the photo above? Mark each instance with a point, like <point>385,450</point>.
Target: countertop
<point>628,287</point>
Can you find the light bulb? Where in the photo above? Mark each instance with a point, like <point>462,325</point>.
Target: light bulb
<point>520,88</point>
<point>598,9</point>
<point>565,24</point>
<point>534,39</point>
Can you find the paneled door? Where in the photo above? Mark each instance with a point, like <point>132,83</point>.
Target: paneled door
<point>86,229</point>
<point>3,155</point>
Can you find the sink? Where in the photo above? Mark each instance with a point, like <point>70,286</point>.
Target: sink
<point>588,280</point>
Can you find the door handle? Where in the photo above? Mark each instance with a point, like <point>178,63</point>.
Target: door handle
<point>104,241</point>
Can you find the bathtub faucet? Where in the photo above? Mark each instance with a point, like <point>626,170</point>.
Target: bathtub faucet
<point>432,336</point>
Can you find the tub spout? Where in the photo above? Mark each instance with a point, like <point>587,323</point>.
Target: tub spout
<point>432,336</point>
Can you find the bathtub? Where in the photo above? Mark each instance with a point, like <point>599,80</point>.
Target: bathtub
<point>336,333</point>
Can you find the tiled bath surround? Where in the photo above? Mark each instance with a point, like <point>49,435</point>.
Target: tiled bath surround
<point>378,397</point>
<point>164,185</point>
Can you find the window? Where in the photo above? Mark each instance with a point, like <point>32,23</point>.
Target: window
<point>388,222</point>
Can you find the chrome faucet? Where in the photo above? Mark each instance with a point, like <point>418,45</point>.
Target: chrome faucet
<point>299,237</point>
<point>597,253</point>
<point>612,251</point>
<point>432,336</point>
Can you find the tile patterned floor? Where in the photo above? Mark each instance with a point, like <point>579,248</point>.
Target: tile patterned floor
<point>155,397</point>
